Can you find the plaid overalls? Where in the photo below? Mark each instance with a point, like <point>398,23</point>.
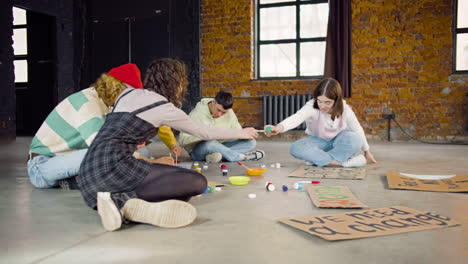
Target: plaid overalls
<point>109,165</point>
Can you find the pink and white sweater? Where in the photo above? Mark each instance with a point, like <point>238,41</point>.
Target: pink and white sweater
<point>321,125</point>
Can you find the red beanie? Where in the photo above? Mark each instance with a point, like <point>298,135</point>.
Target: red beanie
<point>127,73</point>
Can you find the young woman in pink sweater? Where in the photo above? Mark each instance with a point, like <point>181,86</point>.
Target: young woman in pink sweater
<point>335,137</point>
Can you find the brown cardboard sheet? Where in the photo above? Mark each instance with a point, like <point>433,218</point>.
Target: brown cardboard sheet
<point>369,223</point>
<point>324,196</point>
<point>329,173</point>
<point>431,183</point>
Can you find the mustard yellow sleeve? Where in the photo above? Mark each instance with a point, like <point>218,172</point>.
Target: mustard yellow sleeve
<point>166,136</point>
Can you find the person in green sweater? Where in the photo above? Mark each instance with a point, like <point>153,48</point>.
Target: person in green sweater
<point>218,112</point>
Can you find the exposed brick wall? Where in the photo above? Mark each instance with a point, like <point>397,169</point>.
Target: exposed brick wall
<point>402,63</point>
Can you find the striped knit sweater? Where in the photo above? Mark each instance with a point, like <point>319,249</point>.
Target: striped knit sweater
<point>72,125</point>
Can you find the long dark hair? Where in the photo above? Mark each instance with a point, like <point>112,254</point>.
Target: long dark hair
<point>331,89</point>
<point>167,77</point>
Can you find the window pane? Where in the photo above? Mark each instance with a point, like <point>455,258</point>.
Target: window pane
<point>20,46</point>
<point>275,1</point>
<point>462,52</point>
<point>278,23</point>
<point>278,60</point>
<point>314,20</point>
<point>21,70</point>
<point>312,58</point>
<point>462,14</point>
<point>19,16</point>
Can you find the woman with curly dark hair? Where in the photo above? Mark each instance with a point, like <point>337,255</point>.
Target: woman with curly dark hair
<point>117,184</point>
<point>164,74</point>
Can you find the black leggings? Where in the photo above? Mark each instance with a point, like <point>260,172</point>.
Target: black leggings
<point>165,182</point>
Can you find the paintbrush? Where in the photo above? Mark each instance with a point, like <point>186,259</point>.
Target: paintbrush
<point>242,164</point>
<point>170,155</point>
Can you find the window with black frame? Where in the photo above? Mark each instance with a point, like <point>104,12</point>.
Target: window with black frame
<point>20,46</point>
<point>461,36</point>
<point>290,38</point>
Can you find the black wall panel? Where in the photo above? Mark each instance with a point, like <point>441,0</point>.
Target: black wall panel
<point>141,31</point>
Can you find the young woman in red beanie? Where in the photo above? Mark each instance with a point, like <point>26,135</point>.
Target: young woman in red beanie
<point>61,142</point>
<point>116,184</point>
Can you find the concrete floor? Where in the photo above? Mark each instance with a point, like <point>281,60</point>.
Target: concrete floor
<point>55,226</point>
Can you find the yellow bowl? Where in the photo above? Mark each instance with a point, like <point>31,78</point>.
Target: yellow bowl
<point>239,180</point>
<point>255,171</point>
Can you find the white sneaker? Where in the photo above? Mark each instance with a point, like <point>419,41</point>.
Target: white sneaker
<point>110,215</point>
<point>169,214</point>
<point>214,157</point>
<point>254,155</point>
<point>355,161</point>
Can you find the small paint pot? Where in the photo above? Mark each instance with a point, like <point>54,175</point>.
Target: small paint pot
<point>225,172</point>
<point>298,186</point>
<point>285,188</point>
<point>270,187</point>
<point>212,189</point>
<point>198,170</point>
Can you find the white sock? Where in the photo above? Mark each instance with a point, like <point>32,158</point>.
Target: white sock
<point>242,156</point>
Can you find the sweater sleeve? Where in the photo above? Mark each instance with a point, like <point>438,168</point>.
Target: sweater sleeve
<point>307,111</point>
<point>235,122</point>
<point>353,124</point>
<point>177,119</point>
<point>167,136</point>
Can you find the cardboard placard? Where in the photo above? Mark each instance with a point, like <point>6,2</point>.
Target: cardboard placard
<point>329,173</point>
<point>369,223</point>
<point>431,183</point>
<point>334,197</point>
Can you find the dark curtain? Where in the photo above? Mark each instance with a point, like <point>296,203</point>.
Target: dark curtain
<point>338,48</point>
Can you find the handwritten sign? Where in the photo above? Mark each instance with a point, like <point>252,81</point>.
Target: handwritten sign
<point>333,197</point>
<point>369,223</point>
<point>456,183</point>
<point>329,173</point>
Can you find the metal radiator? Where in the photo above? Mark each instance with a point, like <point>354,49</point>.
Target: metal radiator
<point>279,107</point>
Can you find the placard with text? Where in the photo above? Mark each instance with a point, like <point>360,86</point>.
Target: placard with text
<point>333,197</point>
<point>369,223</point>
<point>431,183</point>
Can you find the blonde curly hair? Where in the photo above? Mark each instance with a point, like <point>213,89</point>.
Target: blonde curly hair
<point>108,88</point>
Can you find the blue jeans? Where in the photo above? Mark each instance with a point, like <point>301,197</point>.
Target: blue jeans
<point>321,152</point>
<point>230,150</point>
<point>45,171</point>
<point>144,151</point>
